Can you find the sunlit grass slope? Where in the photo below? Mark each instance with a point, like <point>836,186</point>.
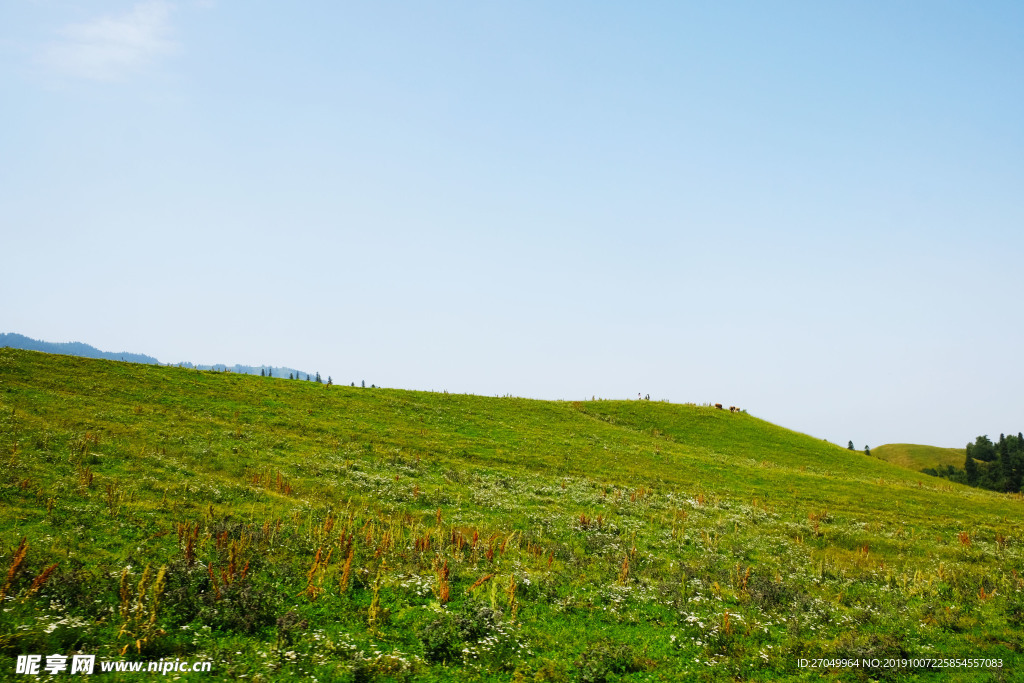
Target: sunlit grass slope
<point>917,457</point>
<point>373,534</point>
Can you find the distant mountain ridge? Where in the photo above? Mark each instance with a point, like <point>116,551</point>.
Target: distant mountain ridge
<point>20,341</point>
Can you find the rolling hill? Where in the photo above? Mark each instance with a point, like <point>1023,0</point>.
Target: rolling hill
<point>288,530</point>
<point>917,457</point>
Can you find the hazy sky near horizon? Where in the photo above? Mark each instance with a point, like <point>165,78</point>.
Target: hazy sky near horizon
<point>814,211</point>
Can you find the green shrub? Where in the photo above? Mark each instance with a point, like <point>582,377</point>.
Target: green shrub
<point>606,658</point>
<point>442,640</point>
<point>1015,610</point>
<point>245,606</point>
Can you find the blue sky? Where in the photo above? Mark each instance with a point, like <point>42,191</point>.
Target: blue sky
<point>810,210</point>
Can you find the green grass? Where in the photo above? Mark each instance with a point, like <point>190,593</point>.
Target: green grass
<point>370,534</point>
<point>917,457</point>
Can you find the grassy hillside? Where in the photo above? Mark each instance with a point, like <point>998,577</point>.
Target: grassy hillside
<point>917,457</point>
<point>286,530</point>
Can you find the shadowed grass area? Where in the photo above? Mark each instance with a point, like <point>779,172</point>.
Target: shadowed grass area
<point>371,534</point>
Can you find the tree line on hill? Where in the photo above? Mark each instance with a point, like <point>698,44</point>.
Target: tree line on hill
<point>238,369</point>
<point>867,449</point>
<point>317,379</point>
<point>995,466</point>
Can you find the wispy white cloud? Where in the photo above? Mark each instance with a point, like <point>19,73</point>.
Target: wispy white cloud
<point>112,48</point>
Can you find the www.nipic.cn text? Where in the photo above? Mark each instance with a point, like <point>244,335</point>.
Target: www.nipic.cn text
<point>87,664</point>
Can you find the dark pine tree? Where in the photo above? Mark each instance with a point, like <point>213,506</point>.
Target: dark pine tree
<point>971,468</point>
<point>851,446</point>
<point>1016,456</point>
<point>867,451</point>
<point>982,449</point>
<point>263,373</point>
<point>318,380</point>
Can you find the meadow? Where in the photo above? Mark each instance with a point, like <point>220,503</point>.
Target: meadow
<point>287,530</point>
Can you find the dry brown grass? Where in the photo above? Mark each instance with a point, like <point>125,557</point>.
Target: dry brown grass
<point>16,562</point>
